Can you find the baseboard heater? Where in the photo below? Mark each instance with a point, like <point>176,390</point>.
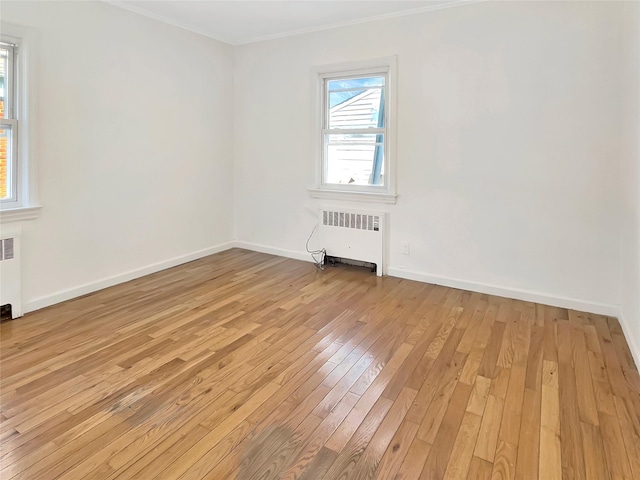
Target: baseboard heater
<point>334,261</point>
<point>353,235</point>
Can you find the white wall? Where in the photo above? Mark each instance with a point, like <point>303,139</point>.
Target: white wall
<point>509,121</point>
<point>630,183</point>
<point>135,147</point>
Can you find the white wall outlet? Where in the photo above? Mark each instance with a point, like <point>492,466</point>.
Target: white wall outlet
<point>405,248</point>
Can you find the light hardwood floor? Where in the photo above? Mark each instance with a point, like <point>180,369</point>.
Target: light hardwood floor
<point>248,366</point>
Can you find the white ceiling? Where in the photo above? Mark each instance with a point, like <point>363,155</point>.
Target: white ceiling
<point>245,21</point>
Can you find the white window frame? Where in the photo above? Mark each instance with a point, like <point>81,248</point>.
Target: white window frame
<point>11,122</point>
<point>363,193</point>
<point>24,204</point>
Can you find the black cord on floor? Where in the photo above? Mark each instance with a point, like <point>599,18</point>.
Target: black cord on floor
<point>318,263</point>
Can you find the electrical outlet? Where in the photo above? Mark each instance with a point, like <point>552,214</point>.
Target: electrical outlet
<point>405,248</point>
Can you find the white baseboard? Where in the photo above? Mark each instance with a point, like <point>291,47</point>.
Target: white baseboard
<point>631,340</point>
<point>280,252</point>
<point>68,294</point>
<point>515,293</point>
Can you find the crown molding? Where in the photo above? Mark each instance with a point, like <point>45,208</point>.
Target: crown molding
<point>292,33</point>
<point>374,18</point>
<point>163,19</point>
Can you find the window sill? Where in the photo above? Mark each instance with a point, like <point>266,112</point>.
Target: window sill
<point>353,196</point>
<point>19,214</point>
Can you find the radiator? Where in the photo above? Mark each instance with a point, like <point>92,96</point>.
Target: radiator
<point>354,235</point>
<point>10,269</point>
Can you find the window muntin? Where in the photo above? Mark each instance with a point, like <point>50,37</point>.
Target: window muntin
<point>354,131</point>
<point>8,124</point>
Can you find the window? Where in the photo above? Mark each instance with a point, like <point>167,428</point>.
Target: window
<point>355,132</point>
<point>17,90</point>
<point>8,123</point>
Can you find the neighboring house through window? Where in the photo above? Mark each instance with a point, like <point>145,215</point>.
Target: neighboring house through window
<point>355,157</point>
<point>354,131</point>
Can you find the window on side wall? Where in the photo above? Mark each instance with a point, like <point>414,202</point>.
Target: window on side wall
<point>17,86</point>
<point>9,125</point>
<point>355,158</point>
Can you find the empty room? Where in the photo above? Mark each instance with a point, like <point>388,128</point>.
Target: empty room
<point>319,239</point>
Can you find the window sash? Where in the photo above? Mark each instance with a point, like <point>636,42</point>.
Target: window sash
<point>375,146</point>
<point>11,129</point>
<point>10,84</point>
<point>10,123</point>
<point>381,146</point>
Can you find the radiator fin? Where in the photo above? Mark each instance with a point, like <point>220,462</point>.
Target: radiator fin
<point>357,221</point>
<point>6,249</point>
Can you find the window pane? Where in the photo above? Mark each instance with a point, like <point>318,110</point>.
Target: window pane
<point>340,84</point>
<point>356,109</point>
<point>336,98</point>
<point>5,163</point>
<point>4,67</point>
<point>355,159</point>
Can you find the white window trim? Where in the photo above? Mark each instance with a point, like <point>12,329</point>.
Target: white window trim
<point>26,206</point>
<point>386,194</point>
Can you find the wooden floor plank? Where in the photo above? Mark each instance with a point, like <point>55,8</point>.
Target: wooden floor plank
<point>311,447</point>
<point>529,442</point>
<point>550,453</point>
<point>438,458</point>
<point>584,384</point>
<point>397,451</point>
<point>351,453</point>
<point>414,461</point>
<point>570,432</point>
<point>479,469</point>
<point>489,429</point>
<point>366,467</point>
<point>462,453</point>
<point>630,430</point>
<point>594,456</point>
